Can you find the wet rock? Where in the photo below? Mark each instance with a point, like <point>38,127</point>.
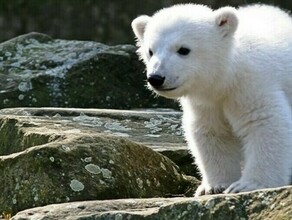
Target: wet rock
<point>37,71</point>
<point>60,155</point>
<point>258,205</point>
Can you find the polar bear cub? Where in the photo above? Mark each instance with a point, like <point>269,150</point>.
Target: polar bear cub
<point>231,70</point>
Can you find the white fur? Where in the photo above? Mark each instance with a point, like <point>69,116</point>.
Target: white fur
<point>235,88</point>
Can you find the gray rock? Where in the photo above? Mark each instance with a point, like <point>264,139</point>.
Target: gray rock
<point>158,129</point>
<point>60,155</point>
<point>37,71</point>
<point>258,205</point>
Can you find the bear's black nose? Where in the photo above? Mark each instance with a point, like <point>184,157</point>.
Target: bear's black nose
<point>156,80</point>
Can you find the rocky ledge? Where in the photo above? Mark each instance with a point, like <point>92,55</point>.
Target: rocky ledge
<point>260,205</point>
<point>76,163</point>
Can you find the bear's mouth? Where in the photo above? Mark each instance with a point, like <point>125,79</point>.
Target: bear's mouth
<point>165,89</point>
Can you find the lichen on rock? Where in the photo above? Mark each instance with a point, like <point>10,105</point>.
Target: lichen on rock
<point>76,185</point>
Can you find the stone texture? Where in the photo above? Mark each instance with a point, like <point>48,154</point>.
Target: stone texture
<point>38,71</point>
<point>258,205</point>
<point>159,130</point>
<point>60,155</point>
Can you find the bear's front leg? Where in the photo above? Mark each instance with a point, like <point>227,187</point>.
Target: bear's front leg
<point>218,160</point>
<point>215,149</point>
<point>265,126</point>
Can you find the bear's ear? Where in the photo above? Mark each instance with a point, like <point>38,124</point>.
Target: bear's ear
<point>226,20</point>
<point>139,25</point>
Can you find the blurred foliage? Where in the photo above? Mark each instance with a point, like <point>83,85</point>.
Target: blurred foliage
<point>100,20</point>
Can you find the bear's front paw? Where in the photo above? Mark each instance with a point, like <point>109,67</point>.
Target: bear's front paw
<point>243,186</point>
<point>205,189</point>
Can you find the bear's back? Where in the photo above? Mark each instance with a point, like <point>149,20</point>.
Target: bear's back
<point>263,23</point>
<point>264,42</point>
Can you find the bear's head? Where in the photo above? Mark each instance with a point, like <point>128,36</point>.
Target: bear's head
<point>185,47</point>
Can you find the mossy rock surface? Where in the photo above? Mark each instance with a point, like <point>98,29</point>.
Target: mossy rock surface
<point>60,155</point>
<point>158,129</point>
<point>38,71</point>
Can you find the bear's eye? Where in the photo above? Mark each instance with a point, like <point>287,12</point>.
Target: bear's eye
<point>183,51</point>
<point>150,53</point>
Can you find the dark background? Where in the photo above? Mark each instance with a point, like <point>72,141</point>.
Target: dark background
<point>106,21</point>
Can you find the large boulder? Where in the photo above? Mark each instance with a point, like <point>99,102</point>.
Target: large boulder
<point>37,71</point>
<point>60,155</point>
